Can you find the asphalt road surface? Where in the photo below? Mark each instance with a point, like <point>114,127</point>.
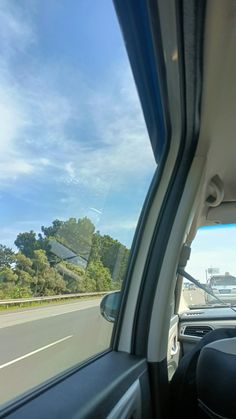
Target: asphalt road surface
<point>194,297</point>
<point>37,344</point>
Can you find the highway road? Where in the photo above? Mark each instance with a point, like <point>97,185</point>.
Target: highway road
<point>194,297</point>
<point>38,343</point>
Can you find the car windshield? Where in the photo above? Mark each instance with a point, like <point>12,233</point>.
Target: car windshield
<point>212,264</point>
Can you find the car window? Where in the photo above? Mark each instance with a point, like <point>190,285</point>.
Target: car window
<point>212,263</point>
<point>75,167</point>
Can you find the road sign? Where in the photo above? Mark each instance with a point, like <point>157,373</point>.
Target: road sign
<point>213,271</point>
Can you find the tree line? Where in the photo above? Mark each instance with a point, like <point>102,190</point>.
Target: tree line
<point>84,261</point>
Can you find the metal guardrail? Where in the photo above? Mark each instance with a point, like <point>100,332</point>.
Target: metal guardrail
<point>52,297</point>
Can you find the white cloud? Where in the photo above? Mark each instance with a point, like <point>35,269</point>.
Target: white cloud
<point>13,121</point>
<point>16,30</point>
<point>64,132</point>
<point>16,35</point>
<point>18,167</point>
<point>123,150</point>
<point>36,118</point>
<point>12,117</point>
<point>45,162</point>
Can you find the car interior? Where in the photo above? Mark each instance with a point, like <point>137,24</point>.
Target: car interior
<point>215,206</point>
<point>166,361</point>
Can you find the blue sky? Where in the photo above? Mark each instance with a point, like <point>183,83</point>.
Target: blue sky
<point>73,141</point>
<point>213,247</point>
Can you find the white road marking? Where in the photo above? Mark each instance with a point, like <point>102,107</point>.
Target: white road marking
<point>34,352</point>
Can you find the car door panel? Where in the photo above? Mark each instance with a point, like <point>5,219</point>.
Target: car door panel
<point>112,385</point>
<point>173,352</point>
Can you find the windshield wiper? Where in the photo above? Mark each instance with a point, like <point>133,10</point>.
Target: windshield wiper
<point>194,281</point>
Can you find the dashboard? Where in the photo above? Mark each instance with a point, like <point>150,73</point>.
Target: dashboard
<point>194,324</point>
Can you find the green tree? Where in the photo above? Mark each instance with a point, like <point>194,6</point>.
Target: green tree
<point>23,263</point>
<point>40,261</point>
<point>52,283</point>
<point>95,254</point>
<point>100,275</point>
<point>111,253</point>
<point>26,243</point>
<point>7,256</point>
<point>123,263</point>
<point>24,271</point>
<point>52,230</point>
<point>114,256</point>
<point>24,280</point>
<point>8,275</point>
<point>75,234</point>
<point>40,265</point>
<point>36,269</point>
<point>73,276</point>
<point>47,281</point>
<point>87,284</point>
<point>8,280</point>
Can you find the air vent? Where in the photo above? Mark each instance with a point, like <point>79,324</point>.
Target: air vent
<point>193,314</point>
<point>198,331</point>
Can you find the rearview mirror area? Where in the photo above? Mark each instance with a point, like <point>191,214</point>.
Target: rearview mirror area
<point>109,306</point>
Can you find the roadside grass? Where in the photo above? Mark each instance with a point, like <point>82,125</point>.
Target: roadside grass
<point>19,306</point>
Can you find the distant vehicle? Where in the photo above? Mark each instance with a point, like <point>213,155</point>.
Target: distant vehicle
<point>224,287</point>
<point>189,286</point>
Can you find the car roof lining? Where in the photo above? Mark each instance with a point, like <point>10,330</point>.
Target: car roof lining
<point>218,120</point>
